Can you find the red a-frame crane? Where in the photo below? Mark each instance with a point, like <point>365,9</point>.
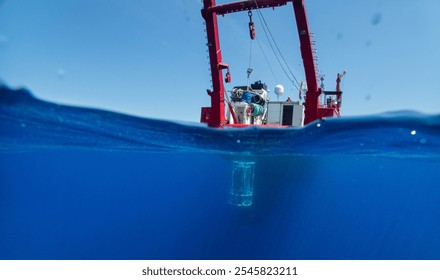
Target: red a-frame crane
<point>215,115</point>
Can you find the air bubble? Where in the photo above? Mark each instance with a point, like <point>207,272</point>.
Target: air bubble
<point>413,132</point>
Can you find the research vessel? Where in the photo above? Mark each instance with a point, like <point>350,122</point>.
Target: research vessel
<point>250,104</point>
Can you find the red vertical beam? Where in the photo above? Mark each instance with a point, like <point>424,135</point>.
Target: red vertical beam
<point>217,118</point>
<point>313,91</point>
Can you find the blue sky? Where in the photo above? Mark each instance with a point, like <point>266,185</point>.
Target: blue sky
<point>148,58</point>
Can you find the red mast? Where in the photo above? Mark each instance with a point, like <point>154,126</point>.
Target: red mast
<point>217,112</point>
<point>313,91</point>
<point>215,115</point>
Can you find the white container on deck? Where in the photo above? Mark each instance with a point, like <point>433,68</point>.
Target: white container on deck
<point>285,113</point>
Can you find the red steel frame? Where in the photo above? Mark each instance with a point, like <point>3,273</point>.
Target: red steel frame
<point>215,115</point>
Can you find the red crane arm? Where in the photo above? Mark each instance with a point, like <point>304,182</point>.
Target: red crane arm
<point>210,12</point>
<point>313,90</point>
<point>217,110</point>
<point>244,6</point>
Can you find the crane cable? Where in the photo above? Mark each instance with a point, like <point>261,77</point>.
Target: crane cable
<point>249,70</point>
<point>272,42</point>
<point>276,45</point>
<point>267,61</point>
<point>266,30</point>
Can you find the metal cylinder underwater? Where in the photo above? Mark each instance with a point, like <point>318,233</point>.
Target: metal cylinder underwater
<point>242,188</point>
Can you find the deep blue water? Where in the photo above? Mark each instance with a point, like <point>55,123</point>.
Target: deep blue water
<point>80,183</point>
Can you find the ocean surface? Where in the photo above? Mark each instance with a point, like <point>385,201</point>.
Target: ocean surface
<point>79,183</point>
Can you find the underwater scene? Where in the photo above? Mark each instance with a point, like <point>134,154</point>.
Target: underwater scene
<point>78,183</point>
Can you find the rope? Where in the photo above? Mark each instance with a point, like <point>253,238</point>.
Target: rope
<point>266,30</point>
<point>249,70</point>
<point>267,61</point>
<point>276,45</point>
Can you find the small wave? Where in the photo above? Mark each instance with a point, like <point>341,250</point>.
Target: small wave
<point>29,123</point>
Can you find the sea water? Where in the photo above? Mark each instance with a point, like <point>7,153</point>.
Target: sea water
<point>242,187</point>
<point>79,183</point>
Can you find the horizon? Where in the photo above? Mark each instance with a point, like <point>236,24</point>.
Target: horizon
<point>150,61</point>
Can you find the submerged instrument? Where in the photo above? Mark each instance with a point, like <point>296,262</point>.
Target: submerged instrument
<point>250,105</point>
